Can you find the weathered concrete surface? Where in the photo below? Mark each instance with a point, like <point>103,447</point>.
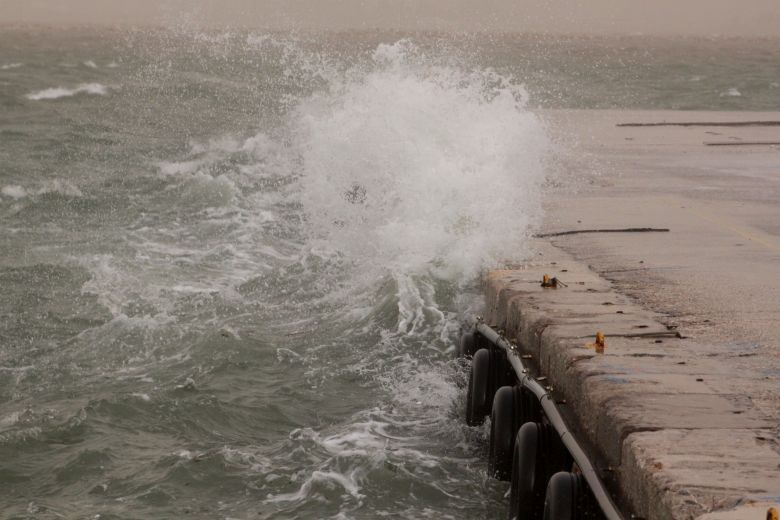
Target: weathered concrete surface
<point>691,426</point>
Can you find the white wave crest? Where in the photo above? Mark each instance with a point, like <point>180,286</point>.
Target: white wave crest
<point>61,92</point>
<point>53,186</point>
<point>349,482</point>
<point>9,66</point>
<point>60,187</point>
<point>732,92</point>
<point>14,191</point>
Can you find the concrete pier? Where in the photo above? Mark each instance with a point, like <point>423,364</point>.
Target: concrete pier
<point>682,409</point>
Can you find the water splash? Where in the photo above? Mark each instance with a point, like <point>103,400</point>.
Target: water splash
<point>282,291</point>
<point>416,167</point>
<point>423,174</point>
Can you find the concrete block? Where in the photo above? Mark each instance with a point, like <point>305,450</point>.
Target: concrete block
<point>657,408</point>
<point>686,474</point>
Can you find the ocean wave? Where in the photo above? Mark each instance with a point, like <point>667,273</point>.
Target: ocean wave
<point>51,187</point>
<point>732,92</point>
<point>8,66</point>
<point>205,190</point>
<point>61,92</point>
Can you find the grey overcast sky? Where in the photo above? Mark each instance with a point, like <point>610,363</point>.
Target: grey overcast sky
<point>678,17</point>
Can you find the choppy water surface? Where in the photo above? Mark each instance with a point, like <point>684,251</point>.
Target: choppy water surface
<point>232,264</point>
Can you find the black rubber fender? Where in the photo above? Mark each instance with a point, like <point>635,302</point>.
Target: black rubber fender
<point>477,398</point>
<point>563,498</point>
<point>538,454</point>
<point>524,499</point>
<point>502,373</point>
<point>467,346</point>
<point>490,370</point>
<point>503,429</point>
<point>513,406</point>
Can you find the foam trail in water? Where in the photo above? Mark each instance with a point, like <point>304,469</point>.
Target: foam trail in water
<point>54,186</point>
<point>14,191</point>
<point>60,92</point>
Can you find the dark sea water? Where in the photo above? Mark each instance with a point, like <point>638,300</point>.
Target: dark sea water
<point>232,265</point>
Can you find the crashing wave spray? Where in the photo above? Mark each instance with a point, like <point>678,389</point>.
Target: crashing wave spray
<point>415,166</point>
<point>423,174</point>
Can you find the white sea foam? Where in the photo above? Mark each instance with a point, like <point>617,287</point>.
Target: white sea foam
<point>91,64</point>
<point>178,168</point>
<point>185,454</point>
<point>210,191</point>
<point>349,482</point>
<point>108,284</point>
<point>54,186</point>
<point>14,191</point>
<point>61,92</point>
<point>142,396</point>
<point>732,92</point>
<point>8,66</point>
<point>9,420</point>
<point>60,187</point>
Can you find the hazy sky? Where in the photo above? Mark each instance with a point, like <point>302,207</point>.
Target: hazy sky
<point>699,17</point>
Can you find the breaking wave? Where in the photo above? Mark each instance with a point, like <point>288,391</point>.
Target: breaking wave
<point>61,92</point>
<point>412,166</point>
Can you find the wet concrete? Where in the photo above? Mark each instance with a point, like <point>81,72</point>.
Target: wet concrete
<point>690,426</point>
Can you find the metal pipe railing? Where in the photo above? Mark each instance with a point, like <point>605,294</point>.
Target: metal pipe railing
<point>547,403</point>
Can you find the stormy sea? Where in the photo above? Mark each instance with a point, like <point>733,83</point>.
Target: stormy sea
<point>233,265</point>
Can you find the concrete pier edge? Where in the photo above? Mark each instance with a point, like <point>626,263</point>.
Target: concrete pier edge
<point>678,445</point>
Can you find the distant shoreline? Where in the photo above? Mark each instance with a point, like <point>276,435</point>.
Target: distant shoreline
<point>303,29</point>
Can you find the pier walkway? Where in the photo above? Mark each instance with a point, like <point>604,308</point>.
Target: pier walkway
<point>683,407</point>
